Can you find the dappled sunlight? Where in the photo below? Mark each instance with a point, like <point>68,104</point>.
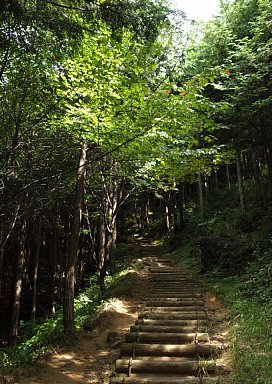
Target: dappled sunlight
<point>89,360</point>
<point>62,361</point>
<point>117,305</point>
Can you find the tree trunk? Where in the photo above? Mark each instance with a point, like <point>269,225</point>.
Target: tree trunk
<point>112,249</point>
<point>200,194</point>
<point>256,171</point>
<point>53,269</point>
<point>175,211</point>
<point>102,255</point>
<point>70,277</point>
<point>206,184</point>
<point>228,176</point>
<point>181,204</point>
<point>18,287</point>
<point>167,203</point>
<point>35,275</point>
<point>240,180</point>
<point>269,163</point>
<point>216,179</point>
<point>3,241</point>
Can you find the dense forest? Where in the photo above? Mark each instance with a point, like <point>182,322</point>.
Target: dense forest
<point>117,120</point>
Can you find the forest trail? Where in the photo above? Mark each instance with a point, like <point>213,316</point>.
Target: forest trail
<point>169,343</point>
<point>172,317</point>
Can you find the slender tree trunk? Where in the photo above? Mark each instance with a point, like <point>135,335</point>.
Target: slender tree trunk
<point>200,194</point>
<point>240,180</point>
<point>18,287</point>
<point>206,184</point>
<point>102,255</point>
<point>35,275</point>
<point>112,247</point>
<point>3,241</point>
<point>256,171</point>
<point>175,211</point>
<point>269,163</point>
<point>216,179</point>
<point>144,212</point>
<point>181,204</point>
<point>228,176</point>
<point>53,270</point>
<point>70,277</point>
<point>168,212</point>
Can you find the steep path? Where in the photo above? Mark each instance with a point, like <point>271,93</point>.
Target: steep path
<point>168,336</point>
<point>169,342</point>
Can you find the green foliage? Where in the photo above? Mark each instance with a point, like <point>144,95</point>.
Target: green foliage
<point>37,339</point>
<point>250,331</point>
<point>187,256</point>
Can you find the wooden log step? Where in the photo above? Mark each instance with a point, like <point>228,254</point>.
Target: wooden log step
<point>131,366</point>
<point>173,278</point>
<point>174,289</point>
<point>155,379</point>
<point>181,350</point>
<point>178,292</point>
<point>176,279</point>
<point>192,308</point>
<point>180,296</point>
<point>169,322</point>
<point>170,276</point>
<point>175,309</point>
<point>169,279</point>
<point>172,316</point>
<point>166,328</point>
<point>169,338</point>
<point>179,285</point>
<point>173,301</point>
<point>175,295</point>
<point>178,289</point>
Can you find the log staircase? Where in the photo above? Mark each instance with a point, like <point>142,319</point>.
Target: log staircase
<point>169,343</point>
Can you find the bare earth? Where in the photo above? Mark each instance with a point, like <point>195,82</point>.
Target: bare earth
<point>90,359</point>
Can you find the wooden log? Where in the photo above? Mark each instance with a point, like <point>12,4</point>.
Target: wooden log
<point>169,279</point>
<point>159,366</point>
<point>173,289</point>
<point>166,328</point>
<point>178,293</point>
<point>175,280</point>
<point>175,323</point>
<point>178,285</point>
<point>155,379</point>
<point>174,294</point>
<point>171,350</point>
<point>170,338</point>
<point>171,308</point>
<point>173,301</point>
<point>172,316</point>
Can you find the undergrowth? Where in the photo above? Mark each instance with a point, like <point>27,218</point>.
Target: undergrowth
<point>250,331</point>
<point>248,295</point>
<point>46,335</point>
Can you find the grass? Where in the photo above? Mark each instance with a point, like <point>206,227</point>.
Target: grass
<point>251,333</point>
<point>187,257</point>
<point>248,296</point>
<point>251,316</point>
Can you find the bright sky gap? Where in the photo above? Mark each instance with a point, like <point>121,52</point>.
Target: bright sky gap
<point>198,9</point>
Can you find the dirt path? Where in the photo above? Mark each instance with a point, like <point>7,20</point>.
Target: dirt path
<point>170,342</point>
<point>90,359</point>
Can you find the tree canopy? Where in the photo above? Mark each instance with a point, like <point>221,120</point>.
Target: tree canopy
<point>104,100</point>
